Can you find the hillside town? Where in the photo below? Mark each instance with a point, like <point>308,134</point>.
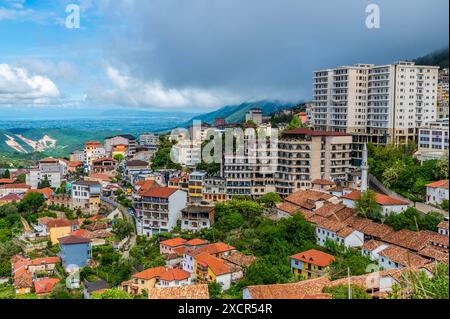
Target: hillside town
<point>343,197</point>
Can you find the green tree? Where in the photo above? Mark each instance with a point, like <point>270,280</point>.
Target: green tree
<point>122,228</point>
<point>119,157</point>
<point>417,285</point>
<point>294,124</point>
<point>6,174</point>
<point>342,292</point>
<point>31,203</point>
<point>346,259</point>
<point>112,294</point>
<point>270,199</point>
<point>21,178</point>
<point>367,207</point>
<point>215,290</point>
<point>45,183</point>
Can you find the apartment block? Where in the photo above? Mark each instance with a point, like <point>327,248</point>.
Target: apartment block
<point>197,217</point>
<point>305,155</point>
<point>251,169</point>
<point>442,95</point>
<point>379,104</point>
<point>158,210</point>
<point>214,189</point>
<point>49,168</point>
<point>195,188</point>
<point>93,150</point>
<point>86,196</point>
<point>433,140</point>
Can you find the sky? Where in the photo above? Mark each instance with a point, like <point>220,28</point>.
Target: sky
<point>198,55</point>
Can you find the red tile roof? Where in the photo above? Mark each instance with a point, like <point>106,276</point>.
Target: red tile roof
<point>196,242</point>
<point>69,240</point>
<point>47,192</point>
<point>380,199</point>
<point>60,222</point>
<point>160,192</point>
<point>75,164</point>
<point>45,260</point>
<point>314,257</point>
<point>182,292</point>
<point>45,286</point>
<point>217,266</point>
<point>174,274</point>
<point>443,224</point>
<point>11,197</point>
<point>15,186</point>
<point>7,180</point>
<point>439,184</point>
<point>100,176</point>
<point>150,273</point>
<point>174,242</point>
<point>215,248</point>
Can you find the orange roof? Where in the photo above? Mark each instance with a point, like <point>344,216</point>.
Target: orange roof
<point>322,182</point>
<point>314,257</point>
<point>174,242</point>
<point>150,273</point>
<point>11,197</point>
<point>196,242</point>
<point>75,164</point>
<point>439,184</point>
<point>15,186</point>
<point>45,286</point>
<point>47,192</point>
<point>146,185</point>
<point>181,292</point>
<point>217,266</point>
<point>100,176</point>
<point>45,260</point>
<point>379,198</point>
<point>160,192</point>
<point>215,248</point>
<point>7,180</point>
<point>93,143</point>
<point>60,222</point>
<point>82,233</point>
<point>174,274</point>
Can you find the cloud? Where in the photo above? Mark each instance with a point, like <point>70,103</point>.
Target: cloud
<point>19,87</point>
<point>128,91</point>
<point>265,48</point>
<point>13,10</point>
<point>56,70</point>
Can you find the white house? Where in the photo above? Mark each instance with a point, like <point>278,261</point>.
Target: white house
<point>388,204</point>
<point>397,257</point>
<point>372,249</point>
<point>158,210</point>
<point>337,232</point>
<point>437,192</point>
<point>443,227</point>
<point>174,278</point>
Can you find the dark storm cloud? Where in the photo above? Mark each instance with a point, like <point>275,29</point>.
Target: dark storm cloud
<point>258,49</point>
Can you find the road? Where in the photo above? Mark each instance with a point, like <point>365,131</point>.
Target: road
<point>424,208</point>
<point>25,224</point>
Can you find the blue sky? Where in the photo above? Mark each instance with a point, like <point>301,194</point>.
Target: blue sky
<point>197,55</point>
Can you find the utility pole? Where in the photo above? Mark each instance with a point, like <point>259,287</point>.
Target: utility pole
<point>349,284</point>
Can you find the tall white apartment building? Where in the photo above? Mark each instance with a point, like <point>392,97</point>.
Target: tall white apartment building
<point>252,171</point>
<point>379,104</point>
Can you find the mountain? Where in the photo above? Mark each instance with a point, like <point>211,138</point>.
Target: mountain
<point>59,142</point>
<point>236,113</point>
<point>439,57</point>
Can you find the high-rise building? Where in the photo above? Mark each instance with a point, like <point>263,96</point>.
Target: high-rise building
<point>251,171</point>
<point>305,155</point>
<point>255,115</point>
<point>442,95</point>
<point>379,104</point>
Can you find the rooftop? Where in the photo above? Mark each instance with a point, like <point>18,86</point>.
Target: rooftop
<point>439,184</point>
<point>174,242</point>
<point>314,257</point>
<point>181,292</point>
<point>72,240</point>
<point>379,198</point>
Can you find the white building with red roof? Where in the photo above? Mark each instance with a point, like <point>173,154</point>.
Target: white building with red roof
<point>158,210</point>
<point>388,204</point>
<point>437,192</point>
